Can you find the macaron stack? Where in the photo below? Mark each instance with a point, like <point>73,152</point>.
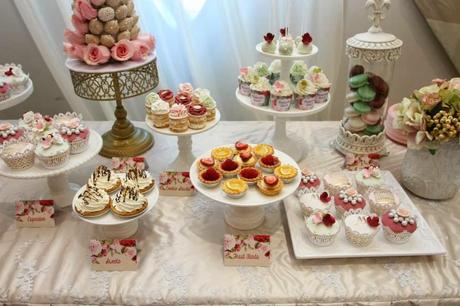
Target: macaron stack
<point>367,97</point>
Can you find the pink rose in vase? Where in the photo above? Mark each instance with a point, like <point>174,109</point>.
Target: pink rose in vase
<point>73,37</point>
<point>141,50</point>
<point>83,9</point>
<point>122,50</point>
<point>95,247</point>
<point>79,24</point>
<point>95,55</point>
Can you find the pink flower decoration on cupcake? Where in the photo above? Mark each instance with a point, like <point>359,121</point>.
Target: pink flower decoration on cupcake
<point>141,50</point>
<point>79,24</point>
<point>83,9</point>
<point>95,55</point>
<point>123,50</point>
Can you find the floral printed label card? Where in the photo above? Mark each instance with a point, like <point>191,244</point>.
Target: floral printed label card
<point>123,164</point>
<point>35,213</point>
<point>174,183</point>
<point>113,254</point>
<point>247,250</point>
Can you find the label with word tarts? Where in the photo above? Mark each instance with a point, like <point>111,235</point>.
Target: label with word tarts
<point>113,254</point>
<point>35,213</point>
<point>247,250</point>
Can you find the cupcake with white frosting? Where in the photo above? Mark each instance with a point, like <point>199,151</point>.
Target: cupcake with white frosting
<point>15,77</point>
<point>305,95</point>
<point>281,96</point>
<point>18,154</point>
<point>317,76</point>
<point>322,228</point>
<point>129,202</point>
<point>149,100</point>
<point>159,113</point>
<point>52,151</point>
<point>297,71</point>
<point>382,199</point>
<point>275,71</point>
<point>104,178</point>
<point>244,80</point>
<point>92,202</point>
<point>368,178</point>
<point>208,101</point>
<point>361,229</point>
<point>312,202</point>
<point>260,92</point>
<point>261,69</point>
<point>139,178</point>
<point>36,125</point>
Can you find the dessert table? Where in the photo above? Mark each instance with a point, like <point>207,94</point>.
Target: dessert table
<point>181,246</point>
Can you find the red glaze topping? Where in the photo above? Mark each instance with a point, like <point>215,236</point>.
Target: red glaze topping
<point>373,221</point>
<point>270,180</point>
<point>229,165</point>
<point>166,94</point>
<point>245,156</point>
<point>249,173</point>
<point>210,174</point>
<point>325,197</point>
<point>196,109</point>
<point>328,220</point>
<point>306,38</point>
<point>241,145</point>
<point>183,98</point>
<point>207,161</point>
<point>269,37</point>
<point>270,160</point>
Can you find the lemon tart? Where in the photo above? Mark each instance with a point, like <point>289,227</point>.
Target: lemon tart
<point>234,188</point>
<point>262,150</point>
<point>222,153</point>
<point>286,172</point>
<point>270,185</point>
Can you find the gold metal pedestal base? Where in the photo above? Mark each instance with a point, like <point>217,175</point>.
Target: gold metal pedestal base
<point>140,142</point>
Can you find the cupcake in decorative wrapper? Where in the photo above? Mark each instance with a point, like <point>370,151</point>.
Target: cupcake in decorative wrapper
<point>260,92</point>
<point>281,96</point>
<point>243,81</point>
<point>322,228</point>
<point>197,116</point>
<point>309,182</point>
<point>18,154</point>
<point>160,113</point>
<point>305,95</point>
<point>398,225</point>
<point>183,98</point>
<point>53,151</point>
<point>9,131</point>
<point>36,125</point>
<point>335,182</point>
<point>149,100</point>
<point>361,229</point>
<point>313,202</point>
<point>367,178</point>
<point>274,71</point>
<point>261,70</point>
<point>382,199</point>
<point>5,91</point>
<point>186,88</point>
<point>178,118</point>
<point>297,71</point>
<point>73,131</point>
<point>15,77</point>
<point>348,202</point>
<point>317,76</point>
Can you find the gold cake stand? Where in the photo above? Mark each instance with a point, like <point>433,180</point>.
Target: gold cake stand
<point>117,81</point>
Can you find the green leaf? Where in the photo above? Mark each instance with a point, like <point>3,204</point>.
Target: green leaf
<point>432,151</point>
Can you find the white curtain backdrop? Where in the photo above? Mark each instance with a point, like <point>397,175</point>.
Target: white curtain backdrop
<point>203,42</point>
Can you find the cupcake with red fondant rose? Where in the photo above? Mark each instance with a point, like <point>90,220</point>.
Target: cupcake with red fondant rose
<point>196,116</point>
<point>398,225</point>
<point>322,228</point>
<point>348,201</point>
<point>9,131</point>
<point>73,131</point>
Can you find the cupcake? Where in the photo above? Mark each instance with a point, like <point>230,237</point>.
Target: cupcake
<point>197,95</point>
<point>139,178</point>
<point>361,229</point>
<point>262,150</point>
<point>382,199</point>
<point>305,95</point>
<point>322,228</point>
<point>269,46</point>
<point>304,44</point>
<point>348,201</point>
<point>229,168</point>
<point>287,173</point>
<point>398,225</point>
<point>285,43</point>
<point>73,131</point>
<point>149,99</point>
<point>260,92</point>
<point>308,181</point>
<point>167,96</point>
<point>241,147</point>
<point>210,177</point>
<point>275,71</point>
<point>183,98</point>
<point>210,104</point>
<point>270,185</point>
<point>234,188</point>
<point>9,132</point>
<point>261,70</point>
<point>52,151</point>
<point>36,125</point>
<point>368,178</point>
<point>129,202</point>
<point>243,81</point>
<point>159,111</point>
<point>222,153</point>
<point>18,154</point>
<point>16,78</point>
<point>313,202</point>
<point>104,178</point>
<point>336,181</point>
<point>178,118</point>
<point>93,202</point>
<point>196,116</point>
<point>205,163</point>
<point>5,91</point>
<point>246,159</point>
<point>269,163</point>
<point>316,75</point>
<point>250,175</point>
<point>186,88</point>
<point>281,96</point>
<point>297,71</point>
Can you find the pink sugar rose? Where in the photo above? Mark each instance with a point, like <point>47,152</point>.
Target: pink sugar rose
<point>95,247</point>
<point>131,252</point>
<point>73,37</point>
<point>141,50</point>
<point>83,9</point>
<point>123,50</point>
<point>74,51</point>
<point>79,24</point>
<point>147,39</point>
<point>95,55</point>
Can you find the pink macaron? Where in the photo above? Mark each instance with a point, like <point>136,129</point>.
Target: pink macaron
<point>371,118</point>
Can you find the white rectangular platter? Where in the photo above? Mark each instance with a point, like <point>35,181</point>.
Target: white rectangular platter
<point>422,242</point>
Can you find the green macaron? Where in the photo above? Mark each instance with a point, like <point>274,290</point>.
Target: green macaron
<point>361,107</point>
<point>366,93</point>
<point>373,129</point>
<point>358,80</point>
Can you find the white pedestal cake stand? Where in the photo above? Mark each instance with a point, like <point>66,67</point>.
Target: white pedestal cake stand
<point>247,212</point>
<point>59,188</point>
<point>111,226</point>
<point>18,98</point>
<point>185,157</point>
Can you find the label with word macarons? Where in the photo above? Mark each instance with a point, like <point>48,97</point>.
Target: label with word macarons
<point>35,213</point>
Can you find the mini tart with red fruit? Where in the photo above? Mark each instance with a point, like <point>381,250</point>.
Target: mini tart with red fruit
<point>234,188</point>
<point>229,168</point>
<point>205,163</point>
<point>250,175</point>
<point>246,159</point>
<point>270,185</point>
<point>241,147</point>
<point>269,163</point>
<point>286,172</point>
<point>222,153</point>
<point>262,150</point>
<point>210,177</point>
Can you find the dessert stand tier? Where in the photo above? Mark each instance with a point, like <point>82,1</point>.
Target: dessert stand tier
<point>292,145</point>
<point>18,98</point>
<point>117,81</point>
<point>247,212</point>
<point>59,188</point>
<point>112,226</point>
<point>185,158</point>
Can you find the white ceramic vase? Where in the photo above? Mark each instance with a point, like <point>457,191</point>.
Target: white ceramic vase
<point>433,176</point>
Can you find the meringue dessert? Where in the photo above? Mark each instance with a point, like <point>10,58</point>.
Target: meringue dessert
<point>129,202</point>
<point>104,178</point>
<point>139,178</point>
<point>92,202</point>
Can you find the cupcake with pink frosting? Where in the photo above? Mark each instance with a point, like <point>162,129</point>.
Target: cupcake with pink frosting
<point>73,131</point>
<point>319,78</point>
<point>398,225</point>
<point>348,202</point>
<point>178,118</point>
<point>9,131</point>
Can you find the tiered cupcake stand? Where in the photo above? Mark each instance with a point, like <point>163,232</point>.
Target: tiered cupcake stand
<point>185,158</point>
<point>294,145</point>
<point>247,212</point>
<point>59,188</point>
<point>18,98</point>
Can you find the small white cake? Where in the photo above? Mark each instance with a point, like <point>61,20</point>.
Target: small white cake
<point>322,228</point>
<point>368,178</point>
<point>361,229</point>
<point>313,202</point>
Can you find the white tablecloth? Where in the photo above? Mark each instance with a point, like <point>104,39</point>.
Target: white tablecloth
<point>181,242</point>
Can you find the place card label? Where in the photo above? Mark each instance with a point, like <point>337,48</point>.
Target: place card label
<point>247,250</point>
<point>173,183</point>
<point>35,213</point>
<point>356,162</point>
<point>123,164</point>
<point>113,254</point>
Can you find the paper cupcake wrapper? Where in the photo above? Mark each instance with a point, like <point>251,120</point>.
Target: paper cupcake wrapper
<point>258,98</point>
<point>307,210</point>
<point>358,239</point>
<point>54,162</point>
<point>20,162</point>
<point>197,122</point>
<point>321,240</point>
<point>79,145</point>
<point>244,87</point>
<point>305,102</point>
<point>342,213</point>
<point>321,96</point>
<point>393,237</point>
<point>381,209</point>
<point>281,104</point>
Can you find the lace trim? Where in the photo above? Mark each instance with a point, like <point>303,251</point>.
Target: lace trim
<point>331,280</point>
<point>405,277</point>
